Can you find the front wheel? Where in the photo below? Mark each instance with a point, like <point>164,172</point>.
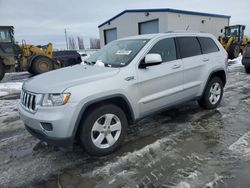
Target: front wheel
<point>2,70</point>
<point>213,94</point>
<point>103,129</point>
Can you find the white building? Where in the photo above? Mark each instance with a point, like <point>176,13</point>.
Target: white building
<point>144,21</point>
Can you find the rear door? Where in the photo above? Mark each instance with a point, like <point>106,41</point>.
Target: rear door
<point>194,65</point>
<point>160,86</point>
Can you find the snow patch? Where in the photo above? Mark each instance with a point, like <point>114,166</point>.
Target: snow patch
<point>12,85</point>
<point>193,175</point>
<point>183,185</point>
<point>241,146</point>
<point>234,63</point>
<point>215,181</point>
<point>10,88</point>
<point>3,93</point>
<point>148,155</point>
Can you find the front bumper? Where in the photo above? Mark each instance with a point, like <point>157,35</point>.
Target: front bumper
<point>61,118</point>
<point>66,143</point>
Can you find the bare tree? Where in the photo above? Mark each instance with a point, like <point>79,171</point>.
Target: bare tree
<point>80,43</point>
<point>72,43</point>
<point>94,43</point>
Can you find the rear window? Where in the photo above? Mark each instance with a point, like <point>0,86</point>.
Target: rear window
<point>188,46</point>
<point>208,45</point>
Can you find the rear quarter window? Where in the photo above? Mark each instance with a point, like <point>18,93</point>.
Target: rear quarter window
<point>188,46</point>
<point>208,45</point>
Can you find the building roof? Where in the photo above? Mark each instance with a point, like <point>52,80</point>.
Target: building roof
<point>164,10</point>
<point>7,26</point>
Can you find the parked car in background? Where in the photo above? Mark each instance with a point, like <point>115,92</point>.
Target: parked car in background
<point>125,81</point>
<point>246,59</point>
<point>86,53</point>
<point>67,57</point>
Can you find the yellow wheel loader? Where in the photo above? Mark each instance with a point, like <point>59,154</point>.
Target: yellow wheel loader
<point>35,59</point>
<point>234,41</point>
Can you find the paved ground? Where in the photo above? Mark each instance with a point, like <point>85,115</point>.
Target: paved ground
<point>183,147</point>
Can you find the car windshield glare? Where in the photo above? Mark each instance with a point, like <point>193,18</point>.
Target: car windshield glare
<point>118,53</point>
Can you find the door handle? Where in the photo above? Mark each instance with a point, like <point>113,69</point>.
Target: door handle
<point>176,66</point>
<point>205,59</point>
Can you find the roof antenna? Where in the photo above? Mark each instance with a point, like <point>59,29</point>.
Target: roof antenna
<point>187,28</point>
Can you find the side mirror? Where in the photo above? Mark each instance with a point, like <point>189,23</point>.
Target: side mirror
<point>150,60</point>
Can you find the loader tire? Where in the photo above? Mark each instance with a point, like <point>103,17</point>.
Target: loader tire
<point>41,65</point>
<point>2,70</point>
<point>234,51</point>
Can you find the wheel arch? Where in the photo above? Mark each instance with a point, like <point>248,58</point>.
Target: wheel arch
<point>117,99</point>
<point>216,73</point>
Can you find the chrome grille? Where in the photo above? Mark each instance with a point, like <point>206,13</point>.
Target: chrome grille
<point>28,100</point>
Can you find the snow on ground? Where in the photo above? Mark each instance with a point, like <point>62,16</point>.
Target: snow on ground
<point>234,63</point>
<point>153,153</point>
<point>184,155</point>
<point>10,88</point>
<point>242,145</point>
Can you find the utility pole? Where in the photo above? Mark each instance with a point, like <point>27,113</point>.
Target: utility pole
<point>66,38</point>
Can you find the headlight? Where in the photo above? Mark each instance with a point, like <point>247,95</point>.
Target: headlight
<point>55,99</point>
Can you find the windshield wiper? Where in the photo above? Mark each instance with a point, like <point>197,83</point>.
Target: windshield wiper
<point>89,62</point>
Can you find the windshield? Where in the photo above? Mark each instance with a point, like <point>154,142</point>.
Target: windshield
<point>118,53</point>
<point>231,31</point>
<point>5,35</point>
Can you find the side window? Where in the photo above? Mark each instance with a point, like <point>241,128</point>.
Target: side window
<point>208,45</point>
<point>166,48</point>
<point>5,36</point>
<point>188,46</point>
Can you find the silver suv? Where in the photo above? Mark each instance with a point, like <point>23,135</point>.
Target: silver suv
<point>123,82</point>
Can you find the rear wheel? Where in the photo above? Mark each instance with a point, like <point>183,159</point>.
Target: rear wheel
<point>213,94</point>
<point>247,69</point>
<point>103,129</point>
<point>234,51</point>
<point>41,65</point>
<point>2,70</point>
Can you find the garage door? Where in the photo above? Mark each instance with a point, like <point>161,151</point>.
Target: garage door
<point>149,27</point>
<point>110,35</point>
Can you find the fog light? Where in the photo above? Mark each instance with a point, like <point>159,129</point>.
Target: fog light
<point>47,126</point>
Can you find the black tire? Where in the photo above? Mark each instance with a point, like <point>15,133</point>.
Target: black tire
<point>30,70</point>
<point>2,70</point>
<point>41,65</point>
<point>247,69</point>
<point>234,51</point>
<point>205,101</point>
<point>86,135</point>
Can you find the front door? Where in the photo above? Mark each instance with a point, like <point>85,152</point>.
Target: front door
<point>161,85</point>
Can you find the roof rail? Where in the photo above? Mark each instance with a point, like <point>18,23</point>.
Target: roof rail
<point>184,31</point>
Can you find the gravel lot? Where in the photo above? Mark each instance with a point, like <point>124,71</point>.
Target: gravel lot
<point>183,147</point>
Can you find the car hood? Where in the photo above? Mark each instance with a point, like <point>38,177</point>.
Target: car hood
<point>58,80</point>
